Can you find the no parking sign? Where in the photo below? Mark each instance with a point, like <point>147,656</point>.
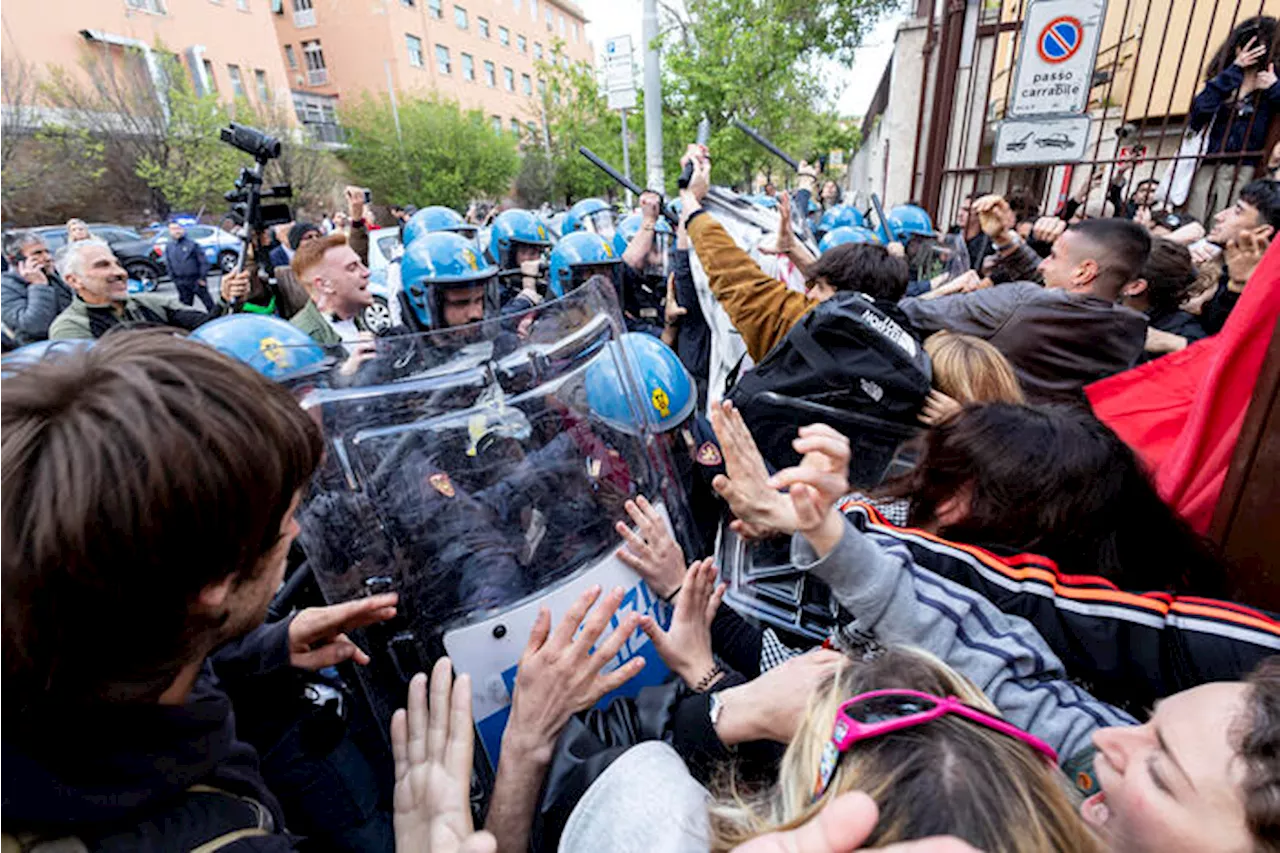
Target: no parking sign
<point>1058,49</point>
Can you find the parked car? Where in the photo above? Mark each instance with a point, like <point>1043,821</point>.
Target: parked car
<point>384,313</point>
<point>221,248</point>
<point>134,251</point>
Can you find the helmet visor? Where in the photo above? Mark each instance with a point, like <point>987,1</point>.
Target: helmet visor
<point>601,222</point>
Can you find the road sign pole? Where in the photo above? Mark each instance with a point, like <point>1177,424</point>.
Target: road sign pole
<point>626,158</point>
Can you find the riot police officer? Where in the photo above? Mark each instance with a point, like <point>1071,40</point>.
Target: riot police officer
<point>842,234</point>
<point>518,244</point>
<point>591,215</point>
<point>431,220</point>
<point>840,216</point>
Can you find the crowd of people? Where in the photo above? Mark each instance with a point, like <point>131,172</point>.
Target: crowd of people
<point>1033,650</point>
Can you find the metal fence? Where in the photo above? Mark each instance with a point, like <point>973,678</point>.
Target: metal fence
<point>1151,64</point>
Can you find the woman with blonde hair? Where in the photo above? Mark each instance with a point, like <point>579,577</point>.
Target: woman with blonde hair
<point>77,231</point>
<point>966,370</point>
<point>932,752</point>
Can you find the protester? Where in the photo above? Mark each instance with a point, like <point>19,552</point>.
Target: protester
<point>1069,332</point>
<point>1244,232</point>
<point>1003,792</point>
<point>683,311</point>
<point>762,308</point>
<point>187,266</point>
<point>1234,112</point>
<point>966,370</point>
<point>1163,284</point>
<point>337,282</point>
<point>103,301</point>
<point>117,727</point>
<point>33,293</point>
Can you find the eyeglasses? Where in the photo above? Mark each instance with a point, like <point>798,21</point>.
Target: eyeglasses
<point>870,715</point>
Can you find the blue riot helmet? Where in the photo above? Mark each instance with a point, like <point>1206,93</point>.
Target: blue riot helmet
<point>590,214</point>
<point>904,221</point>
<point>666,389</point>
<point>429,220</point>
<point>275,348</point>
<point>847,234</point>
<point>28,355</point>
<point>440,262</point>
<point>840,216</point>
<point>579,256</point>
<point>767,201</point>
<point>512,229</point>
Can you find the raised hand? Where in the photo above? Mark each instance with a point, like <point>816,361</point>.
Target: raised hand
<point>559,675</point>
<point>1267,77</point>
<point>433,744</point>
<point>938,407</point>
<point>317,635</point>
<point>650,549</point>
<point>817,483</point>
<point>685,647</point>
<point>1248,56</point>
<point>1244,253</point>
<point>995,216</point>
<point>672,310</point>
<point>30,271</point>
<point>760,509</point>
<point>1049,228</point>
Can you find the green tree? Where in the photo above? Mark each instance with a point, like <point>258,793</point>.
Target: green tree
<point>443,155</point>
<point>768,74</point>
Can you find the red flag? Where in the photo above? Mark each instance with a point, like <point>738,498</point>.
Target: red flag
<point>1182,413</point>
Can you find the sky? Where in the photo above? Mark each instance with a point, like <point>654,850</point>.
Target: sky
<point>610,18</point>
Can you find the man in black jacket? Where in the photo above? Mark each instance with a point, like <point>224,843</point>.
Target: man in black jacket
<point>187,266</point>
<point>32,293</point>
<point>118,732</point>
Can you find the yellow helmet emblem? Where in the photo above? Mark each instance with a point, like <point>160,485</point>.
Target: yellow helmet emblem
<point>661,402</point>
<point>274,352</point>
<point>470,257</point>
<point>542,233</point>
<point>608,250</point>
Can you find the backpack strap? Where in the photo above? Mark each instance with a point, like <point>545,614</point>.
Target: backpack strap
<point>822,362</point>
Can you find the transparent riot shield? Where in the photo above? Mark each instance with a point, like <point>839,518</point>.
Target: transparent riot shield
<point>466,470</point>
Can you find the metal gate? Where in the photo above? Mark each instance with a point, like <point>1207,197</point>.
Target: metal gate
<point>1151,64</point>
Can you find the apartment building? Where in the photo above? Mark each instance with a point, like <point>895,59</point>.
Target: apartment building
<point>228,46</point>
<point>479,52</point>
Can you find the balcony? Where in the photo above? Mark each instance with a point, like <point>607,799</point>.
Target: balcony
<point>304,18</point>
<point>317,76</point>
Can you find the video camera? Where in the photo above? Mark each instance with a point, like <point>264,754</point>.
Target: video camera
<point>246,199</point>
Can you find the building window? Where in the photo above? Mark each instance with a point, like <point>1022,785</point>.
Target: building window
<point>242,5</point>
<point>575,32</point>
<point>504,36</point>
<point>237,85</point>
<point>317,73</point>
<point>414,45</point>
<point>442,59</point>
<point>303,14</point>
<point>564,62</point>
<point>533,8</point>
<point>208,75</point>
<point>489,74</point>
<point>548,11</point>
<point>264,93</point>
<point>537,50</point>
<point>532,129</point>
<point>460,17</point>
<point>515,126</point>
<point>496,121</point>
<point>290,56</point>
<point>482,26</point>
<point>542,87</point>
<point>509,79</point>
<point>522,44</point>
<point>434,7</point>
<point>561,19</point>
<point>526,84</point>
<point>468,67</point>
<point>155,7</point>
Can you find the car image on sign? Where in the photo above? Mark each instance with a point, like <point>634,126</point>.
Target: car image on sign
<point>1056,140</point>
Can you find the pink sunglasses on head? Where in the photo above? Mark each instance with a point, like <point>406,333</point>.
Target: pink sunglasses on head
<point>869,715</point>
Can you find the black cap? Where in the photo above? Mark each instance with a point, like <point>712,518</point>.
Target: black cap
<point>300,230</point>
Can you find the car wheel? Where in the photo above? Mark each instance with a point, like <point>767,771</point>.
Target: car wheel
<point>227,261</point>
<point>145,273</point>
<point>377,317</point>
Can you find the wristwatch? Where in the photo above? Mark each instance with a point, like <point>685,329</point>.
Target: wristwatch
<point>717,708</point>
